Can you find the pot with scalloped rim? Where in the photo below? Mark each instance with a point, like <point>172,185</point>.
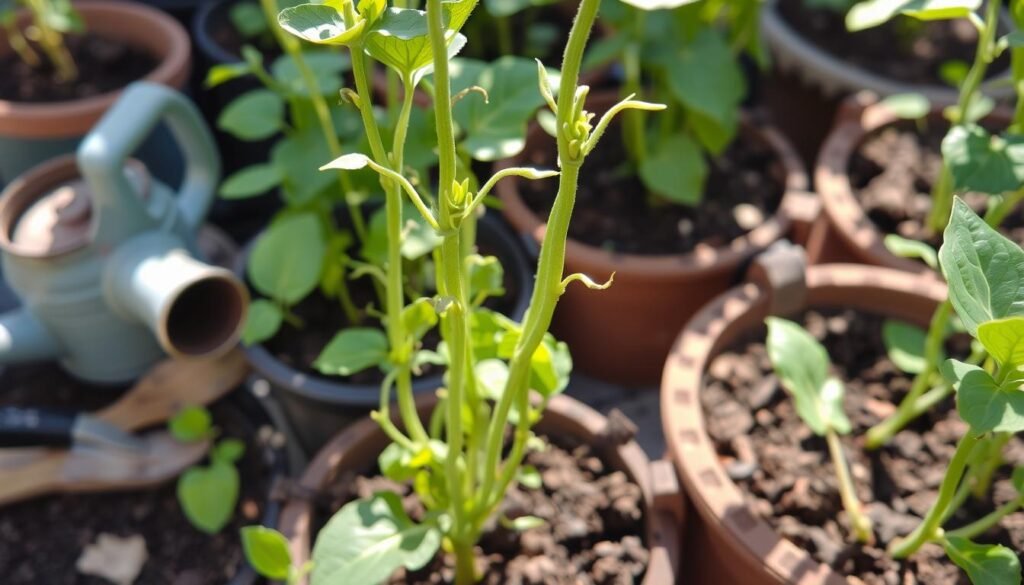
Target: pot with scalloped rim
<point>354,452</point>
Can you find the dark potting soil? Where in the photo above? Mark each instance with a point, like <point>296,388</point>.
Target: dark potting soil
<point>104,65</point>
<point>892,173</point>
<point>787,474</point>
<point>41,539</point>
<point>613,210</point>
<point>903,49</point>
<point>592,533</point>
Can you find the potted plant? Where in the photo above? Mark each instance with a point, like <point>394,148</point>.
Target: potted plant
<point>675,204</point>
<point>46,108</point>
<point>772,508</point>
<point>461,456</point>
<point>186,527</point>
<point>310,261</point>
<point>871,212</point>
<point>824,50</point>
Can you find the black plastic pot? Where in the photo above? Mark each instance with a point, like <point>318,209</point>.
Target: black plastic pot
<point>245,217</point>
<point>318,407</point>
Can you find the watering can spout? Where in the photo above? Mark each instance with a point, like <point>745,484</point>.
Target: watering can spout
<point>23,338</point>
<point>193,309</point>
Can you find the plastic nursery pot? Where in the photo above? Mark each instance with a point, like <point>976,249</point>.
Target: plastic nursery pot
<point>317,406</point>
<point>845,232</point>
<point>623,334</point>
<point>728,542</point>
<point>356,450</point>
<point>807,82</point>
<point>31,133</point>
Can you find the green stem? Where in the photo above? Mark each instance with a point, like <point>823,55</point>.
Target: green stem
<point>981,525</point>
<point>881,433</point>
<point>548,282</point>
<point>456,318</point>
<point>860,523</point>
<point>930,528</point>
<point>465,562</point>
<point>996,214</point>
<point>504,35</point>
<point>21,46</point>
<point>989,464</point>
<point>633,120</point>
<point>942,193</point>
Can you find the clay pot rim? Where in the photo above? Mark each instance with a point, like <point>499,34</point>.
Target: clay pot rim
<point>834,76</point>
<point>662,523</point>
<point>170,44</point>
<point>669,266</point>
<point>723,507</point>
<point>860,116</point>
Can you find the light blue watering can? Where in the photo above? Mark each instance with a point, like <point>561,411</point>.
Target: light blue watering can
<point>104,258</point>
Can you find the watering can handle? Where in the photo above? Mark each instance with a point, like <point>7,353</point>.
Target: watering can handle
<point>103,153</point>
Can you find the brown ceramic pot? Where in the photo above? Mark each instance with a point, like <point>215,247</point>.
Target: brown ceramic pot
<point>728,542</point>
<point>356,450</point>
<point>623,334</point>
<point>852,235</point>
<point>33,132</point>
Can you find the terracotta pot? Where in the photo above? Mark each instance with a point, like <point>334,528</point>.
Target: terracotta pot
<point>853,235</point>
<point>356,450</point>
<point>31,133</point>
<point>623,334</point>
<point>729,542</point>
<point>807,83</point>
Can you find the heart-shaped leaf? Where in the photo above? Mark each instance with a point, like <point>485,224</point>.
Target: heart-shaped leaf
<point>801,364</point>
<point>984,269</point>
<point>318,23</point>
<point>905,345</point>
<point>286,261</point>
<point>191,424</point>
<point>985,564</point>
<point>262,322</point>
<point>367,540</point>
<point>981,162</point>
<point>676,170</point>
<point>208,495</point>
<point>871,13</point>
<point>353,350</point>
<point>267,552</point>
<point>256,115</point>
<point>987,405</point>
<point>1004,340</point>
<point>251,181</point>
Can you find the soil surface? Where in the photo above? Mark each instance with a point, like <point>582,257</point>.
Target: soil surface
<point>593,522</point>
<point>904,49</point>
<point>104,65</point>
<point>787,475</point>
<point>41,539</point>
<point>892,173</point>
<point>613,210</point>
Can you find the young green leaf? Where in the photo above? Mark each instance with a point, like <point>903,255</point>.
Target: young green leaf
<point>801,364</point>
<point>367,540</point>
<point>225,72</point>
<point>985,564</point>
<point>418,238</point>
<point>419,317</point>
<point>871,13</point>
<point>676,170</point>
<point>192,424</point>
<point>907,248</point>
<point>982,162</point>
<point>486,276</point>
<point>658,4</point>
<point>327,67</point>
<point>286,261</point>
<point>522,523</point>
<point>253,180</point>
<point>1004,340</point>
<point>208,495</point>
<point>909,106</point>
<point>353,350</point>
<point>985,270</point>
<point>320,24</point>
<point>256,115</point>
<point>228,451</point>
<point>267,552</point>
<point>985,404</point>
<point>261,322</point>
<point>530,478</point>
<point>247,18</point>
<point>495,128</point>
<point>492,376</point>
<point>905,346</point>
